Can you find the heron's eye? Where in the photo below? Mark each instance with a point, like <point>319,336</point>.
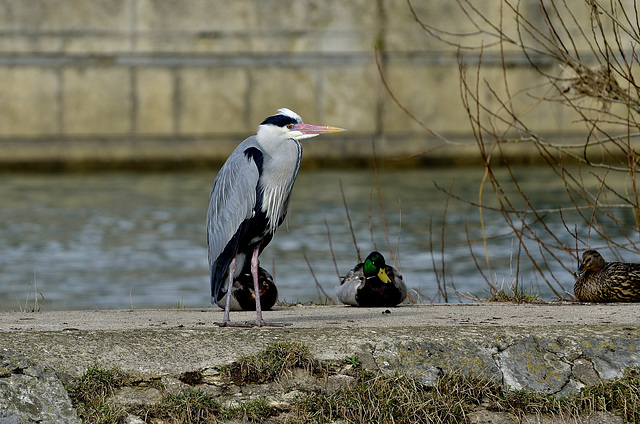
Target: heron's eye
<point>290,126</point>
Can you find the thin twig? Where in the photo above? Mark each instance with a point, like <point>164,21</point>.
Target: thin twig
<point>333,253</point>
<point>353,234</point>
<point>380,205</point>
<point>318,286</point>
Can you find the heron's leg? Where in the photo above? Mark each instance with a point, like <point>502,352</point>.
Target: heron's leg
<point>227,305</point>
<point>256,283</point>
<point>256,287</point>
<point>259,322</point>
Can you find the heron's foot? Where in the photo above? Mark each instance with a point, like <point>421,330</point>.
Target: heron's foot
<point>248,324</point>
<point>263,323</point>
<point>235,324</point>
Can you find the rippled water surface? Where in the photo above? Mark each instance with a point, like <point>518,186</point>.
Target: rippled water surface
<point>123,240</point>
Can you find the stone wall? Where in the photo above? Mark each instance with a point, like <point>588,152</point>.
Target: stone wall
<point>186,80</point>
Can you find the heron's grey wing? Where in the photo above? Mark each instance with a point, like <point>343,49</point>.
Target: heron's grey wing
<point>232,200</point>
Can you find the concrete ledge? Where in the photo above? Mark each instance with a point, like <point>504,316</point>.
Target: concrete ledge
<point>549,348</point>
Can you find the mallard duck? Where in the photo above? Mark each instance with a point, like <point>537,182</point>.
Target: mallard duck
<point>601,281</point>
<point>242,293</point>
<point>372,283</point>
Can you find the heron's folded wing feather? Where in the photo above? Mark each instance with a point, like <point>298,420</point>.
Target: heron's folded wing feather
<point>232,200</point>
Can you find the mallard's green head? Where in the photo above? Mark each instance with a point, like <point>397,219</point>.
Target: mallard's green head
<point>374,266</point>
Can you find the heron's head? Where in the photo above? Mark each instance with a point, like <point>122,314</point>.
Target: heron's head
<point>374,266</point>
<point>288,125</point>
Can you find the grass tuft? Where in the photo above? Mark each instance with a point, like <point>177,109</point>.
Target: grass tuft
<point>397,399</point>
<point>191,406</point>
<point>621,396</point>
<point>38,298</point>
<point>251,411</point>
<point>400,399</point>
<point>273,362</point>
<point>198,406</point>
<point>89,394</point>
<point>519,296</point>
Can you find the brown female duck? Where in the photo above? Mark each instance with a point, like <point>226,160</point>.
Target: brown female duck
<point>602,281</point>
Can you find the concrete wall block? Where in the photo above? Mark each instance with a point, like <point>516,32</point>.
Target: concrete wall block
<point>431,93</point>
<point>202,42</point>
<point>348,41</point>
<point>314,42</point>
<point>315,25</point>
<point>214,16</point>
<point>446,18</point>
<point>28,101</point>
<point>319,15</point>
<point>98,44</point>
<point>535,101</point>
<point>212,100</point>
<point>276,87</point>
<point>155,89</point>
<point>20,43</point>
<point>97,100</point>
<point>248,26</point>
<point>349,97</point>
<point>65,26</point>
<point>287,42</point>
<point>77,16</point>
<point>531,96</point>
<point>576,17</point>
<point>404,34</point>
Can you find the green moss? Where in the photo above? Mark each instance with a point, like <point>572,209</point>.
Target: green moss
<point>607,345</point>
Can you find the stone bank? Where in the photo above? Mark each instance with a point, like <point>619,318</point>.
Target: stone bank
<point>553,348</point>
<point>549,348</point>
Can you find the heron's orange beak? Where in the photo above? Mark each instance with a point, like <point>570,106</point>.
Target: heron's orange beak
<point>316,129</point>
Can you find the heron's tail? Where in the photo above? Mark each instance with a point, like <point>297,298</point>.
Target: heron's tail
<point>219,275</point>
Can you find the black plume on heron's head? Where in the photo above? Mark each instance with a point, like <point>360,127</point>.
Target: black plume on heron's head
<point>283,118</point>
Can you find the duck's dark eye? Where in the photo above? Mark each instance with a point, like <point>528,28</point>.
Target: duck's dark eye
<point>290,126</point>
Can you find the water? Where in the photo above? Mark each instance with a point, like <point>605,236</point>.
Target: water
<point>134,240</point>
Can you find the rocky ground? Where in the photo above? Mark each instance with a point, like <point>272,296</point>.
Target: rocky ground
<point>554,348</point>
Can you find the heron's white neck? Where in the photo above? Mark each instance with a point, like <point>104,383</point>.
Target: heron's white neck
<point>281,162</point>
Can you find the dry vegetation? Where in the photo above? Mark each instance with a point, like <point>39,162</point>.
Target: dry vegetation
<point>368,397</point>
<point>574,62</point>
<point>272,363</point>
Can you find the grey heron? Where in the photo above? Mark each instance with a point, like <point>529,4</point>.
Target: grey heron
<point>372,283</point>
<point>249,200</point>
